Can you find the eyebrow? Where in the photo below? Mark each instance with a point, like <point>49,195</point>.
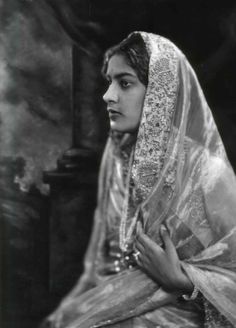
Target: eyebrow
<point>120,75</point>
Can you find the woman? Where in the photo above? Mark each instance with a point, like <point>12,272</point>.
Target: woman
<point>163,248</point>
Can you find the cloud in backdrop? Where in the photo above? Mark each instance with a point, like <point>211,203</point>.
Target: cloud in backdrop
<point>35,122</point>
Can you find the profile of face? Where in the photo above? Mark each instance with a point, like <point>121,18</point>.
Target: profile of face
<point>124,96</point>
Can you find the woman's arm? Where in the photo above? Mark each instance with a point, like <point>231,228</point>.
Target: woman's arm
<point>162,264</point>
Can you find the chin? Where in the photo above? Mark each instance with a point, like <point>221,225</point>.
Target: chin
<point>115,126</point>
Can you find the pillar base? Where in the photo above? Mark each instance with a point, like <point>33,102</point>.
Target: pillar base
<point>73,189</point>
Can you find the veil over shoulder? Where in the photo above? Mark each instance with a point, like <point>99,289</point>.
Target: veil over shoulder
<point>181,176</point>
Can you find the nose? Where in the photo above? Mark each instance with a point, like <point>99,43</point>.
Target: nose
<point>111,95</point>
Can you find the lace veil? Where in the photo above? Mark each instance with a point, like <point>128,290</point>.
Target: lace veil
<point>182,176</point>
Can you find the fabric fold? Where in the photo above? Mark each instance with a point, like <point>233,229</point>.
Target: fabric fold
<point>192,190</point>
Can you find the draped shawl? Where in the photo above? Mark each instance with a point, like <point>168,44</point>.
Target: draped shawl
<point>182,177</point>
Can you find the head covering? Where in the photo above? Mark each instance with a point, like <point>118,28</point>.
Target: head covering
<point>182,177</point>
<point>158,112</point>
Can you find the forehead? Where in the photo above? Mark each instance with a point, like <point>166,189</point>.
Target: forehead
<point>118,65</point>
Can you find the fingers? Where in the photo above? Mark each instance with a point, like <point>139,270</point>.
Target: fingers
<point>165,237</point>
<point>161,264</point>
<point>139,228</point>
<point>139,247</point>
<point>145,242</point>
<point>147,248</point>
<point>142,260</point>
<point>168,244</point>
<point>140,239</point>
<point>146,245</point>
<point>141,236</point>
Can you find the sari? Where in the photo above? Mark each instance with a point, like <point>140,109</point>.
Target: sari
<point>173,171</point>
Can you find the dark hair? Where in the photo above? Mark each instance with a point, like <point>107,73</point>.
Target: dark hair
<point>134,50</point>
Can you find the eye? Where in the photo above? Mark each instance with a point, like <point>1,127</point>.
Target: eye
<point>108,81</point>
<point>125,84</point>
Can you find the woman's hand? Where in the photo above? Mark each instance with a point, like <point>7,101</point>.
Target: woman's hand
<point>162,264</point>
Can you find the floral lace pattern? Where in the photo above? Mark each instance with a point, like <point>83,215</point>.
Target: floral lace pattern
<point>157,114</point>
<point>213,318</point>
<point>189,159</point>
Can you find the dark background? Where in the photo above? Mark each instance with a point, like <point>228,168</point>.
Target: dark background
<point>50,101</point>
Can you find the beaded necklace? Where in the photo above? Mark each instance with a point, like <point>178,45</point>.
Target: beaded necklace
<point>124,237</point>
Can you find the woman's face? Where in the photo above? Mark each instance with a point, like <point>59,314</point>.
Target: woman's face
<point>124,96</point>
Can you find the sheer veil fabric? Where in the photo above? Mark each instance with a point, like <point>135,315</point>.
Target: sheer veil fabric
<point>181,176</point>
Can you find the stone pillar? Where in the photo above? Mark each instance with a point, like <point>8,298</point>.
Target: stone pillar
<point>73,184</point>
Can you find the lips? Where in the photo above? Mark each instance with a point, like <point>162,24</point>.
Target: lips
<point>113,111</point>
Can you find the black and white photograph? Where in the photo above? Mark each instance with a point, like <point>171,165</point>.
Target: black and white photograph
<point>117,164</point>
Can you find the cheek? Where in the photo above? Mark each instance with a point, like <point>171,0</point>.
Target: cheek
<point>139,104</point>
<point>136,112</point>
